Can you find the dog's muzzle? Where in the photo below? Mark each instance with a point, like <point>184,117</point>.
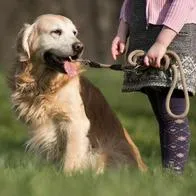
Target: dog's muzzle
<point>56,62</point>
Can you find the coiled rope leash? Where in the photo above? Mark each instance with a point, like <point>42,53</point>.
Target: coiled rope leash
<point>170,60</point>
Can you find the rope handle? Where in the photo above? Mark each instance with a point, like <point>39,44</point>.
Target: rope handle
<point>177,67</point>
<point>136,57</point>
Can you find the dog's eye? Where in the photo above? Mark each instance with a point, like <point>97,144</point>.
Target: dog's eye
<point>57,31</point>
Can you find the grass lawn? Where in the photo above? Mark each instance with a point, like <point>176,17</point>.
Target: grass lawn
<point>23,174</point>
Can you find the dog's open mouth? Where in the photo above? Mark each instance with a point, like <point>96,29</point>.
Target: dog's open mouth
<point>61,64</point>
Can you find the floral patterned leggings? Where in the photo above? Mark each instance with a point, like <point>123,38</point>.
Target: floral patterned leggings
<point>174,134</point>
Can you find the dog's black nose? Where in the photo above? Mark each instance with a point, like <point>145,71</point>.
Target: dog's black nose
<point>78,47</point>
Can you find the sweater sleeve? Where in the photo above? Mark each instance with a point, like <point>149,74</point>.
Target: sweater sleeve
<point>125,11</point>
<point>178,13</point>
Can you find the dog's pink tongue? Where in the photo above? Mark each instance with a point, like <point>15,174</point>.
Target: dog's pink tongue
<point>70,69</point>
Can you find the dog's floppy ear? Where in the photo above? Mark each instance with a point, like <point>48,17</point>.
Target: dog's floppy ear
<point>22,43</point>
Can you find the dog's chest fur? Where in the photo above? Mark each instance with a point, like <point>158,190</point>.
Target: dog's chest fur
<point>70,99</point>
<point>64,117</point>
<point>70,103</point>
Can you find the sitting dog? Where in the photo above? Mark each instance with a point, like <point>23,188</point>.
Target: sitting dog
<point>69,120</point>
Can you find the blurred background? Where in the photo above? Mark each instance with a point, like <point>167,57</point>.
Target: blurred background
<point>97,22</point>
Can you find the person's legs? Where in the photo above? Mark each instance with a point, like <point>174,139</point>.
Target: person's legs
<point>174,134</point>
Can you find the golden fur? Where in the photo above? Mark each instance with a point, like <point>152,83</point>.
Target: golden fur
<point>68,118</point>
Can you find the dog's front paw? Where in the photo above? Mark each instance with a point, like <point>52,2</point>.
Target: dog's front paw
<point>72,166</point>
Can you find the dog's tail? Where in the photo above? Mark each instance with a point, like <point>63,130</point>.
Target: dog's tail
<point>135,152</point>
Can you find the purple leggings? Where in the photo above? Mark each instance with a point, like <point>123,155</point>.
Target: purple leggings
<point>174,134</point>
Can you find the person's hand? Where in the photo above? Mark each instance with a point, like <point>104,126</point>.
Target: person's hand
<point>119,42</point>
<point>154,55</point>
<point>118,47</point>
<point>158,49</point>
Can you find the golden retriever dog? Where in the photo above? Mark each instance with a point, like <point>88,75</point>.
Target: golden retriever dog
<point>68,118</point>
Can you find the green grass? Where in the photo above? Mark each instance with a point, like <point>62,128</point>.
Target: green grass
<point>23,174</point>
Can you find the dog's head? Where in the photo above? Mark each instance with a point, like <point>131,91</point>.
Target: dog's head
<point>51,41</point>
